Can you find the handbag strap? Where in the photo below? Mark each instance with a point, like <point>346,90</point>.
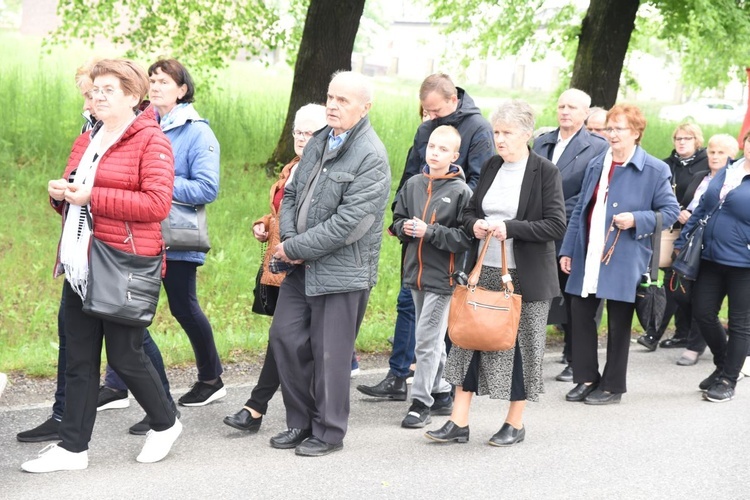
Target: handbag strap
<point>656,247</point>
<point>474,276</point>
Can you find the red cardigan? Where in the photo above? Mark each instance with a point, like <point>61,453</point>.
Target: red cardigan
<point>133,184</point>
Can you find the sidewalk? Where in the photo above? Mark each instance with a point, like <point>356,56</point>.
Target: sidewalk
<point>662,441</point>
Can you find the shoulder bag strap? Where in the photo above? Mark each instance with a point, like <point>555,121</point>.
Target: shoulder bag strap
<point>474,275</point>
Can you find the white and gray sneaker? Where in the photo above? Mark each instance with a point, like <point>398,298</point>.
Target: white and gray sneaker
<point>158,443</point>
<point>54,458</point>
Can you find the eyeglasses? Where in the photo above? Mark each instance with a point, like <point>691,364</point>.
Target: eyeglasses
<point>683,139</point>
<point>616,130</point>
<point>107,92</point>
<point>302,134</point>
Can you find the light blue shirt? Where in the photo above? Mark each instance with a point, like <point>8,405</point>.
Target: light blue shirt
<point>335,141</point>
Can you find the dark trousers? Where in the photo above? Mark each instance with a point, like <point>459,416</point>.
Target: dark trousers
<point>312,340</point>
<point>268,383</point>
<point>125,353</point>
<point>715,282</point>
<point>179,283</point>
<point>58,408</point>
<point>585,342</point>
<point>567,326</point>
<point>404,340</point>
<point>113,381</point>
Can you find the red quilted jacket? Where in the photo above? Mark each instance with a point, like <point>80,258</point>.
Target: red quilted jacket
<point>133,184</point>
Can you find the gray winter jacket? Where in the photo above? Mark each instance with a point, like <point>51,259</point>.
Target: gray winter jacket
<point>341,245</point>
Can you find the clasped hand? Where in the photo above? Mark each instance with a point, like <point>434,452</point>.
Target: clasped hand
<point>75,194</point>
<point>482,227</point>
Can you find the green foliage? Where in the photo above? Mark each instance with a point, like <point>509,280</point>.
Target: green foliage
<point>202,34</point>
<point>691,28</point>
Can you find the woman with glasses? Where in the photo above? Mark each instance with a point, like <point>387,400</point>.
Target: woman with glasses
<point>607,250</point>
<point>120,177</point>
<point>687,160</point>
<point>308,119</point>
<point>724,274</point>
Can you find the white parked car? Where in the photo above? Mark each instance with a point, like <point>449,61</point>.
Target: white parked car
<point>705,112</point>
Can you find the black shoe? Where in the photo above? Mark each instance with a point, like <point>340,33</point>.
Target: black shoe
<point>648,342</point>
<point>721,391</point>
<point>449,432</point>
<point>47,431</point>
<point>443,404</point>
<point>710,380</point>
<point>673,342</point>
<point>314,447</point>
<point>418,416</point>
<point>392,387</point>
<point>202,393</point>
<point>110,399</point>
<point>508,435</point>
<point>580,391</point>
<point>599,397</point>
<point>142,427</point>
<point>290,438</point>
<point>244,421</point>
<point>566,375</point>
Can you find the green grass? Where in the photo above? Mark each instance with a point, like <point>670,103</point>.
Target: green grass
<point>40,119</point>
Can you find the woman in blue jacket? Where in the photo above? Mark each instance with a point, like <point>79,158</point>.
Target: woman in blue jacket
<point>607,250</point>
<point>724,272</point>
<point>196,162</point>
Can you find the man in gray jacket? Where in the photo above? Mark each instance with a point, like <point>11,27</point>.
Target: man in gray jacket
<point>331,226</point>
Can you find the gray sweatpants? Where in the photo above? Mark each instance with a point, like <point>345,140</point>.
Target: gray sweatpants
<point>431,322</point>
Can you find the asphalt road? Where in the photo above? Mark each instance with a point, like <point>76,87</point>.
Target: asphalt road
<point>662,441</point>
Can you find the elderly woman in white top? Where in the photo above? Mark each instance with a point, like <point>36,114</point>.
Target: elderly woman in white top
<point>519,196</point>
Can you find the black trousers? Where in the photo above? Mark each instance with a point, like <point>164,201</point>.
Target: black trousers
<point>715,282</point>
<point>312,340</point>
<point>268,383</point>
<point>124,345</point>
<point>585,342</point>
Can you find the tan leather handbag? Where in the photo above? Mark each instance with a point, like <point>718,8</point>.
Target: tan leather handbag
<point>481,319</point>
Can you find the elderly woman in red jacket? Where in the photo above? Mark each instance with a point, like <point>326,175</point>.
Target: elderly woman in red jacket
<point>120,175</point>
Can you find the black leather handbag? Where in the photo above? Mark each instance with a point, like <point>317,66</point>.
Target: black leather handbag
<point>651,297</point>
<point>687,263</point>
<point>186,228</point>
<point>122,287</point>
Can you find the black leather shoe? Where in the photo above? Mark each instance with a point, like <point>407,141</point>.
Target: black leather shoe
<point>566,375</point>
<point>599,397</point>
<point>443,404</point>
<point>392,387</point>
<point>580,391</point>
<point>648,342</point>
<point>314,447</point>
<point>673,342</point>
<point>244,421</point>
<point>508,435</point>
<point>449,432</point>
<point>290,438</point>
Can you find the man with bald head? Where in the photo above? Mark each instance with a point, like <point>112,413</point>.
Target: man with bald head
<point>596,121</point>
<point>571,147</point>
<point>331,226</point>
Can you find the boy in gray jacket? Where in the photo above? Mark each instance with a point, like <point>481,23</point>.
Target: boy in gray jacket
<point>427,218</point>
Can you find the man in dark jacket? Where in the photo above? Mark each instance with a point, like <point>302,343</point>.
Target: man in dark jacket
<point>444,104</point>
<point>331,227</point>
<point>571,147</point>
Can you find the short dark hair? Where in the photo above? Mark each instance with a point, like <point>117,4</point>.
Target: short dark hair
<point>440,83</point>
<point>178,73</point>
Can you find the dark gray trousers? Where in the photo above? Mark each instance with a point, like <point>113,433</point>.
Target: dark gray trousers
<point>313,339</point>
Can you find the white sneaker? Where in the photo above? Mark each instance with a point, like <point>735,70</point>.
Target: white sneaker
<point>745,368</point>
<point>53,458</point>
<point>3,382</point>
<point>159,443</point>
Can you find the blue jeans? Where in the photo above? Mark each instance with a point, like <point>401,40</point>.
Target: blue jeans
<point>113,381</point>
<point>403,336</point>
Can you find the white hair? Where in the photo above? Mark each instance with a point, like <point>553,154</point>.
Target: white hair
<point>579,96</point>
<point>314,113</point>
<point>361,84</point>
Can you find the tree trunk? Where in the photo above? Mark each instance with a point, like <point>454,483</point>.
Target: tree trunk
<point>602,45</point>
<point>326,47</point>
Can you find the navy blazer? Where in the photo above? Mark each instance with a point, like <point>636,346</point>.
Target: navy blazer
<point>582,148</point>
<point>641,187</point>
<point>539,222</point>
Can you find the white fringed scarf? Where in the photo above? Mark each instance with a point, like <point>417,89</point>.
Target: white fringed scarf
<point>76,235</point>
